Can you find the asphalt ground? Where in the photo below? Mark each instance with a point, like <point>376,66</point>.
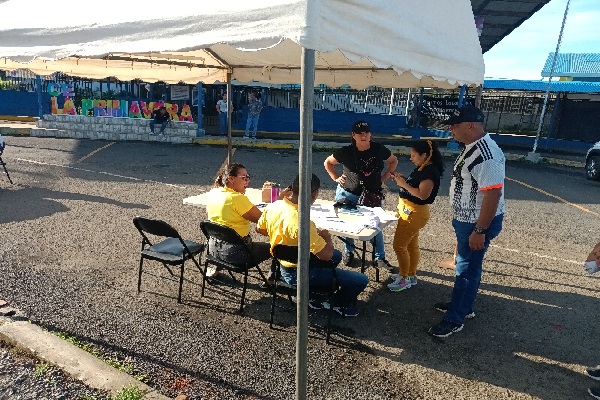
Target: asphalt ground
<point>69,257</point>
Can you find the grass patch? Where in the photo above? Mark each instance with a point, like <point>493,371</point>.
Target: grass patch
<point>129,393</point>
<point>113,362</point>
<point>41,369</point>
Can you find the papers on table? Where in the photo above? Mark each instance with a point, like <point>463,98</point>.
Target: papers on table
<point>338,225</point>
<point>380,213</point>
<point>322,211</point>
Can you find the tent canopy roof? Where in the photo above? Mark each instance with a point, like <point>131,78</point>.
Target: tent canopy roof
<point>400,43</point>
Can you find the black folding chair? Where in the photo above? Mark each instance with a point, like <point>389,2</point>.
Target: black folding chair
<point>171,251</point>
<point>4,164</point>
<point>290,254</point>
<point>223,233</point>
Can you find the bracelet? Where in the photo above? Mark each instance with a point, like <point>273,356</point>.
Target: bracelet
<point>479,230</point>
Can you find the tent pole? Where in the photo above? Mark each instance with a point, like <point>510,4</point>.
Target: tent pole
<point>305,170</point>
<point>229,107</point>
<point>38,86</point>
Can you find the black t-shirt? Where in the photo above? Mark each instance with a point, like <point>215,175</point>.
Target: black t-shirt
<point>362,168</point>
<point>416,177</point>
<point>160,118</point>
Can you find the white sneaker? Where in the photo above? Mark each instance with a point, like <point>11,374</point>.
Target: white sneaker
<point>212,271</point>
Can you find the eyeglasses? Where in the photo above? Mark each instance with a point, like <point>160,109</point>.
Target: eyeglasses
<point>244,177</point>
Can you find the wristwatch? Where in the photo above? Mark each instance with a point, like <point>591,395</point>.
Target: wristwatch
<point>479,230</point>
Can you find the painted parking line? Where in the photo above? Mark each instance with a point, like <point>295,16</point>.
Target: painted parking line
<point>555,197</point>
<point>100,172</point>
<point>531,253</point>
<point>94,152</point>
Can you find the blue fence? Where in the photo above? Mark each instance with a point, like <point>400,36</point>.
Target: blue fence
<point>288,120</point>
<point>13,102</point>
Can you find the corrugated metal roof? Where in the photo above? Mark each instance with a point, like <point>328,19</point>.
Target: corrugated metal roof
<point>542,86</point>
<point>573,65</point>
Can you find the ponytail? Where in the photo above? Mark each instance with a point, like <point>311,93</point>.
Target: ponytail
<point>225,172</point>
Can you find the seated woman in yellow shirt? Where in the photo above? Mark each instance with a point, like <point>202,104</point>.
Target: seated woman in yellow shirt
<point>230,207</point>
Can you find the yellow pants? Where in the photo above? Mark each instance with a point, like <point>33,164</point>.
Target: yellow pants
<point>412,217</point>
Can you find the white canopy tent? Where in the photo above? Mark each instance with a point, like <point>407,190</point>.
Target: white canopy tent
<point>408,43</point>
<point>360,43</point>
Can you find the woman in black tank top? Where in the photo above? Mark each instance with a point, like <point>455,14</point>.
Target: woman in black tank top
<point>417,191</point>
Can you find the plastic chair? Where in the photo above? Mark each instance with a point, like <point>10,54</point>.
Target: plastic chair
<point>223,233</point>
<point>4,164</point>
<point>173,250</point>
<point>290,254</point>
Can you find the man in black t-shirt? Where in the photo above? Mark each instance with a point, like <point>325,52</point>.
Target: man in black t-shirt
<point>366,165</point>
<point>162,117</point>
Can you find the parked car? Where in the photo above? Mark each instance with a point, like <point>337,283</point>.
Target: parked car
<point>592,163</point>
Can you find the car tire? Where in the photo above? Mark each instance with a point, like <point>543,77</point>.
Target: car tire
<point>592,168</point>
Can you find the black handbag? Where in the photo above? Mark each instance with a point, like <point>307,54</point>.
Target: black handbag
<point>370,199</point>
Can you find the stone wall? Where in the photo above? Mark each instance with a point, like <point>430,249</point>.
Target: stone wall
<point>111,128</point>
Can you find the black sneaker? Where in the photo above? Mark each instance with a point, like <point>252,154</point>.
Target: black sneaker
<point>445,329</point>
<point>594,392</point>
<point>384,264</point>
<point>593,373</point>
<point>443,307</point>
<point>348,258</point>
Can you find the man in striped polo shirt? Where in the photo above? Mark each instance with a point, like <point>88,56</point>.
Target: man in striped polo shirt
<point>477,199</point>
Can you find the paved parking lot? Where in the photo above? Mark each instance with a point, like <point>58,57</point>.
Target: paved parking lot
<point>68,260</point>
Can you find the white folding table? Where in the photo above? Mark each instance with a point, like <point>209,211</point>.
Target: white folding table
<point>340,224</point>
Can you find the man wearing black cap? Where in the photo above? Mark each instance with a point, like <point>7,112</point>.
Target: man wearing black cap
<point>477,199</point>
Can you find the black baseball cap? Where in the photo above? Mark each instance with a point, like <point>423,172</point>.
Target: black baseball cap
<point>464,114</point>
<point>361,126</point>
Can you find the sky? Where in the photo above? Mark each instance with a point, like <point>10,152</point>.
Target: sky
<point>523,53</point>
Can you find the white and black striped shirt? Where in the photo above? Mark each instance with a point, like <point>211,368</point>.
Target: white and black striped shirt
<point>479,166</point>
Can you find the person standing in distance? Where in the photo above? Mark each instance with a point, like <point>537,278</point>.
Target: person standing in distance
<point>367,165</point>
<point>477,200</point>
<point>254,108</point>
<point>222,106</point>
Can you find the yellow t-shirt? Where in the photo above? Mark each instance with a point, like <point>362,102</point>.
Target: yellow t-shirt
<point>280,220</point>
<point>227,207</point>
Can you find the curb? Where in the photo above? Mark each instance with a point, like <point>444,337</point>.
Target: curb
<point>71,359</point>
<point>15,118</point>
<point>10,131</point>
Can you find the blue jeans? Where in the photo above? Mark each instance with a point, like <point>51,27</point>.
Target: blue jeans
<point>163,125</point>
<point>468,268</point>
<point>223,123</point>
<point>377,241</point>
<point>351,283</point>
<point>252,121</point>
